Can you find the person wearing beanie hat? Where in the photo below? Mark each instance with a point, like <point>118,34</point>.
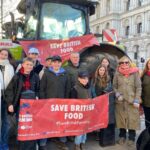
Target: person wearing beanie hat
<point>33,53</point>
<point>33,50</point>
<point>56,58</point>
<point>81,90</point>
<point>48,62</point>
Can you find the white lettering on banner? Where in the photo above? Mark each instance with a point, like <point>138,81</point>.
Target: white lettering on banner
<point>77,108</point>
<point>59,108</point>
<point>73,116</point>
<point>82,107</point>
<point>65,44</point>
<point>25,118</point>
<point>66,50</point>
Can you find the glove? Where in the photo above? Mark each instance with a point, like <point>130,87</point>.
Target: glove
<point>120,98</point>
<point>136,103</point>
<point>117,94</point>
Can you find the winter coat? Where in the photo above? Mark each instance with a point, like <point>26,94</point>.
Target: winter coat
<point>80,91</point>
<point>37,67</point>
<point>146,90</point>
<point>15,88</point>
<point>72,72</point>
<point>6,73</point>
<point>97,90</point>
<point>127,116</point>
<point>54,85</point>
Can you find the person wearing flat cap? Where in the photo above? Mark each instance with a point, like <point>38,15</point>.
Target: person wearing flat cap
<point>48,62</point>
<point>55,84</point>
<point>81,90</point>
<point>33,53</point>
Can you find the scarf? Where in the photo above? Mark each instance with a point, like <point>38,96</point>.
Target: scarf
<point>127,72</point>
<point>148,73</point>
<point>26,84</point>
<point>4,62</point>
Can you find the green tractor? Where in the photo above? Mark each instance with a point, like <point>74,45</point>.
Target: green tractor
<point>56,21</point>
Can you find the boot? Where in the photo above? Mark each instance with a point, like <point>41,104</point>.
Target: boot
<point>82,146</point>
<point>77,147</point>
<point>42,148</point>
<point>62,146</point>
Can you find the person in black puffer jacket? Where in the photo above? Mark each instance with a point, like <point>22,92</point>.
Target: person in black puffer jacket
<point>24,84</point>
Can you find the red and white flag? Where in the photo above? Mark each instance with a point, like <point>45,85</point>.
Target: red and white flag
<point>110,35</point>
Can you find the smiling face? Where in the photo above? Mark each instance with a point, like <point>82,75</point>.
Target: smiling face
<point>124,64</point>
<point>75,58</point>
<point>33,56</point>
<point>56,65</point>
<point>28,66</point>
<point>101,71</point>
<point>148,65</point>
<point>105,62</point>
<point>84,81</point>
<point>3,54</point>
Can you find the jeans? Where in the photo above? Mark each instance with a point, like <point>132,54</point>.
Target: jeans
<point>147,116</point>
<point>80,139</point>
<point>42,142</point>
<point>5,127</point>
<point>132,134</point>
<point>63,139</point>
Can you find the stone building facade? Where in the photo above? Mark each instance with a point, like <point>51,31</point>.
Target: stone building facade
<point>131,19</point>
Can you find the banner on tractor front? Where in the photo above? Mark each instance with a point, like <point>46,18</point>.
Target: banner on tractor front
<point>61,117</point>
<point>62,48</point>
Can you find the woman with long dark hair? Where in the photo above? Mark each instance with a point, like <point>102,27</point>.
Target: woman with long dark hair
<point>6,74</point>
<point>102,85</point>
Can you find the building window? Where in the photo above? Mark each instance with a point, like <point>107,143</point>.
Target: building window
<point>108,7</point>
<point>98,11</point>
<point>128,5</point>
<point>136,52</point>
<point>139,27</point>
<point>97,29</point>
<point>127,30</point>
<point>107,26</point>
<point>139,3</point>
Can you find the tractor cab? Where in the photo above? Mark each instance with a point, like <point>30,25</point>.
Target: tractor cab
<point>51,19</point>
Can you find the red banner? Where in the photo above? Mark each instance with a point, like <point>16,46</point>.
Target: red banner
<point>62,48</point>
<point>61,117</point>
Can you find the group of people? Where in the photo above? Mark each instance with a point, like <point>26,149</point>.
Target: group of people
<point>31,80</point>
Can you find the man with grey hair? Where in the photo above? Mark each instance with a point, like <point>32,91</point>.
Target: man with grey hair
<point>73,67</point>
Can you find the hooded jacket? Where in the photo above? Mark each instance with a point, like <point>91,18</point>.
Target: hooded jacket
<point>54,85</point>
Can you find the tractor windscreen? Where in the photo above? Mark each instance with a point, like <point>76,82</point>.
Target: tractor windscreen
<point>59,21</point>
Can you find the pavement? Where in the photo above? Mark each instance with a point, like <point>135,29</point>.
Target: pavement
<point>91,143</point>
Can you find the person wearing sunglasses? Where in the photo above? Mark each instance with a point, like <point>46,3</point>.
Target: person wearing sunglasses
<point>127,86</point>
